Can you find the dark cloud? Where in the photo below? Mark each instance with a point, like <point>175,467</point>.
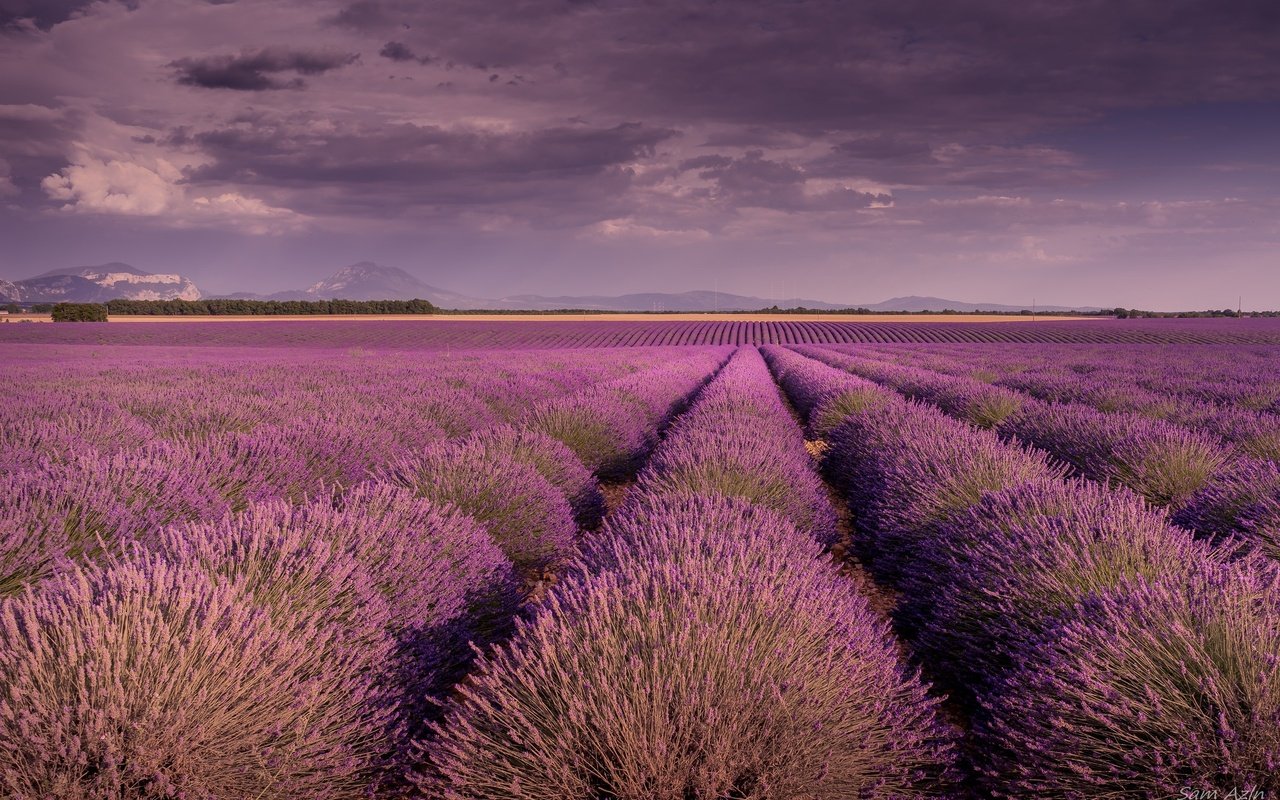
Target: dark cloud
<point>255,71</point>
<point>44,14</point>
<point>922,132</point>
<point>365,15</point>
<point>397,169</point>
<point>973,66</point>
<point>399,51</point>
<point>754,181</point>
<point>913,161</point>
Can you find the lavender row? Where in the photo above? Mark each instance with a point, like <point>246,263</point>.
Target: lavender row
<point>322,634</point>
<point>286,651</point>
<point>81,504</point>
<point>1208,485</point>
<point>1098,650</point>
<point>701,647</point>
<point>445,333</point>
<point>1232,393</point>
<point>1133,377</point>
<point>355,404</point>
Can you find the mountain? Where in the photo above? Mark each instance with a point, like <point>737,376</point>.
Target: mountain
<point>658,301</point>
<point>101,283</point>
<point>369,281</point>
<point>721,301</point>
<point>915,303</point>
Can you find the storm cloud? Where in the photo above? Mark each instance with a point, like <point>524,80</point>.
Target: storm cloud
<point>255,71</point>
<point>983,148</point>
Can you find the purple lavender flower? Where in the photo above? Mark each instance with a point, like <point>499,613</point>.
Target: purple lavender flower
<point>1001,572</point>
<point>1145,692</point>
<point>553,460</point>
<point>149,679</point>
<point>686,675</point>
<point>526,515</point>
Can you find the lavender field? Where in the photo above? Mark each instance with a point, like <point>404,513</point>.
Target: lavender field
<point>633,560</point>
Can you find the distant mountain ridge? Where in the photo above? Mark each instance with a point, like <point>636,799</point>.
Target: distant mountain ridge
<point>367,280</point>
<point>99,284</point>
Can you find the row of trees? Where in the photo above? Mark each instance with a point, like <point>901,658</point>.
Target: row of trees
<point>79,312</point>
<point>225,307</point>
<point>1134,313</point>
<point>864,311</point>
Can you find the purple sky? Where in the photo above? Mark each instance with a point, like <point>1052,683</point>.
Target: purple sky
<point>1104,152</point>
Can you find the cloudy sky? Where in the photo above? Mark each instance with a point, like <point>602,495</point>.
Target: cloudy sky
<point>1092,152</point>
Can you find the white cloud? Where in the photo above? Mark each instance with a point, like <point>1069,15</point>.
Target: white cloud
<point>628,228</point>
<point>115,187</point>
<point>7,187</point>
<point>152,187</point>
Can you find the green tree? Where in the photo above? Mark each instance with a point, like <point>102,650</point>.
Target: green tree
<point>79,312</point>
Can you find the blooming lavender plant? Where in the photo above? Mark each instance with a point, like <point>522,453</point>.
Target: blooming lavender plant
<point>1002,571</point>
<point>738,462</point>
<point>149,679</point>
<point>738,439</point>
<point>908,468</point>
<point>526,515</point>
<point>1243,500</point>
<point>1168,688</point>
<point>1165,463</point>
<point>679,673</point>
<point>553,460</point>
<point>87,505</point>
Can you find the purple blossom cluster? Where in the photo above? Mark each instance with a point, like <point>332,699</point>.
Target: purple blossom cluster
<point>1197,716</point>
<point>613,426</point>
<point>525,513</point>
<point>149,679</point>
<point>1241,501</point>
<point>144,577</point>
<point>1162,461</point>
<point>704,649</point>
<point>1100,651</point>
<point>739,439</point>
<point>552,333</point>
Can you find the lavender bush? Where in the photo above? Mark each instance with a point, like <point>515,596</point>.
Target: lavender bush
<point>604,431</point>
<point>907,468</point>
<point>612,426</point>
<point>674,527</point>
<point>822,394</point>
<point>87,505</point>
<point>691,679</point>
<point>151,680</point>
<point>972,401</point>
<point>1165,463</point>
<point>1150,691</point>
<point>430,561</point>
<point>553,460</point>
<point>1004,570</point>
<point>526,515</point>
<point>290,570</point>
<point>736,462</point>
<point>738,439</point>
<point>1243,500</point>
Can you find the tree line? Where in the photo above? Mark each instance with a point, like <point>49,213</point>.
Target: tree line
<point>227,307</point>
